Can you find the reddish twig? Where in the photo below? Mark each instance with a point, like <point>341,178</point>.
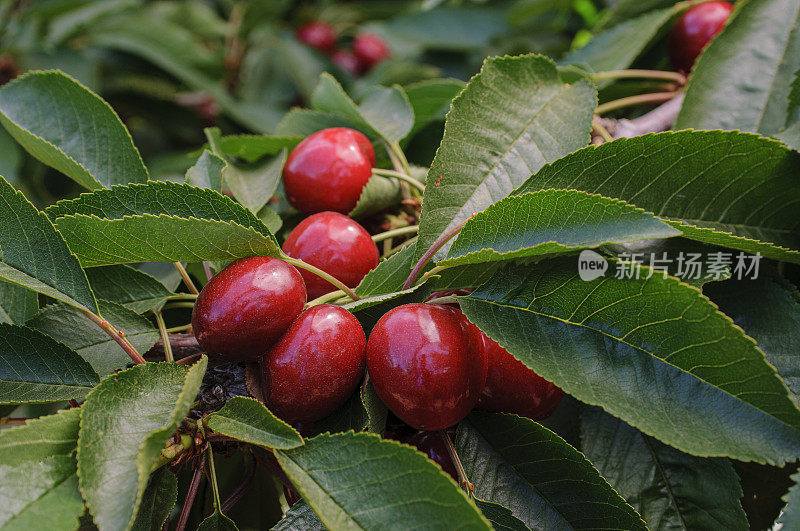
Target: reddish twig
<point>190,496</point>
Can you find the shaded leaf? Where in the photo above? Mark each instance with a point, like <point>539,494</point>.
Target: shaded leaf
<point>377,412</point>
<point>791,513</point>
<point>300,516</point>
<point>388,111</point>
<point>40,438</point>
<point>157,502</point>
<point>217,522</point>
<point>389,275</point>
<point>65,125</point>
<point>17,303</point>
<point>253,147</point>
<point>127,286</point>
<point>303,122</point>
<point>454,28</point>
<point>430,100</point>
<point>502,518</point>
<point>247,420</point>
<point>379,193</point>
<point>206,172</point>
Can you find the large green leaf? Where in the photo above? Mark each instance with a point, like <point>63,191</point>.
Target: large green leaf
<point>34,254</point>
<point>551,221</point>
<point>502,518</point>
<point>791,513</point>
<point>652,351</point>
<point>17,304</point>
<point>160,221</point>
<point>731,189</point>
<point>670,489</point>
<point>300,516</point>
<point>248,420</point>
<point>68,127</point>
<point>768,309</point>
<point>36,368</point>
<point>125,422</point>
<point>127,286</point>
<point>544,481</point>
<point>40,438</point>
<point>362,481</point>
<point>40,495</point>
<point>72,328</point>
<point>157,502</point>
<point>513,118</point>
<point>742,80</point>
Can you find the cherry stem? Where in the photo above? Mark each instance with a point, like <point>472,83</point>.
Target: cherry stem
<point>322,274</point>
<point>438,244</point>
<point>162,329</point>
<point>399,247</point>
<point>411,229</point>
<point>207,269</point>
<point>322,299</point>
<point>400,175</point>
<point>598,128</point>
<point>172,305</point>
<point>190,496</point>
<point>677,77</point>
<point>213,475</point>
<point>462,474</point>
<point>186,279</point>
<point>240,491</point>
<point>182,296</point>
<point>641,99</point>
<point>176,329</point>
<point>442,300</point>
<point>116,336</point>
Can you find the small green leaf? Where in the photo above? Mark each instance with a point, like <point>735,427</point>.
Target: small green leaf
<point>40,495</point>
<point>377,412</point>
<point>430,100</point>
<point>551,221</point>
<point>389,275</point>
<point>351,416</point>
<point>330,97</point>
<point>361,481</point>
<point>502,518</point>
<point>72,328</point>
<point>40,438</point>
<point>303,122</point>
<point>125,422</point>
<point>206,172</point>
<point>17,303</point>
<point>791,513</point>
<point>217,522</point>
<point>127,286</point>
<point>369,309</point>
<point>379,193</point>
<point>36,368</point>
<point>544,481</point>
<point>34,254</point>
<point>247,420</point>
<point>65,125</point>
<point>254,147</point>
<point>388,111</point>
<point>157,502</point>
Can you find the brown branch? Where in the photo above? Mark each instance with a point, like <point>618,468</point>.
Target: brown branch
<point>659,119</point>
<point>183,345</point>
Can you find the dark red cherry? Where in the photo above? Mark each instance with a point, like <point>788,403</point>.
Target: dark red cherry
<point>328,170</point>
<point>315,366</point>
<point>431,444</point>
<point>370,49</point>
<point>511,387</point>
<point>694,30</point>
<point>246,307</point>
<point>317,34</point>
<point>347,61</point>
<point>337,245</point>
<point>427,363</point>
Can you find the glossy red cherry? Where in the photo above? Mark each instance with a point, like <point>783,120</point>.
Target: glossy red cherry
<point>347,61</point>
<point>694,30</point>
<point>427,363</point>
<point>246,307</point>
<point>315,366</point>
<point>328,170</point>
<point>511,387</point>
<point>317,34</point>
<point>370,49</point>
<point>337,245</point>
<point>429,443</point>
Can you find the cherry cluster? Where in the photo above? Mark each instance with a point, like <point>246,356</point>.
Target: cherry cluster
<point>426,361</point>
<point>368,49</point>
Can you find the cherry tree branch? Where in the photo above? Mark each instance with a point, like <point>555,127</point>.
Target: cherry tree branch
<point>659,119</point>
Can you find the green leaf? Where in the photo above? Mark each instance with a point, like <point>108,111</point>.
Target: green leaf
<point>379,193</point>
<point>40,495</point>
<point>206,172</point>
<point>65,125</point>
<point>217,522</point>
<point>36,368</point>
<point>791,513</point>
<point>34,254</point>
<point>544,481</point>
<point>651,351</point>
<point>467,276</point>
<point>768,309</point>
<point>449,28</point>
<point>362,481</point>
<point>303,122</point>
<point>253,147</point>
<point>623,10</point>
<point>430,100</point>
<point>300,516</point>
<point>157,502</point>
<point>502,518</point>
<point>377,412</point>
<point>618,47</point>
<point>369,309</point>
<point>160,222</point>
<point>513,117</point>
<point>127,286</point>
<point>743,79</point>
<point>330,97</point>
<point>551,221</point>
<point>388,111</point>
<point>247,420</point>
<point>731,189</point>
<point>389,275</point>
<point>17,304</point>
<point>125,422</point>
<point>670,489</point>
<point>72,328</point>
<point>40,438</point>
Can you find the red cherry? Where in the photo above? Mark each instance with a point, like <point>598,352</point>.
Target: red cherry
<point>317,34</point>
<point>347,61</point>
<point>694,30</point>
<point>246,307</point>
<point>428,364</point>
<point>511,387</point>
<point>370,49</point>
<point>328,170</point>
<point>429,443</point>
<point>315,366</point>
<point>337,245</point>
